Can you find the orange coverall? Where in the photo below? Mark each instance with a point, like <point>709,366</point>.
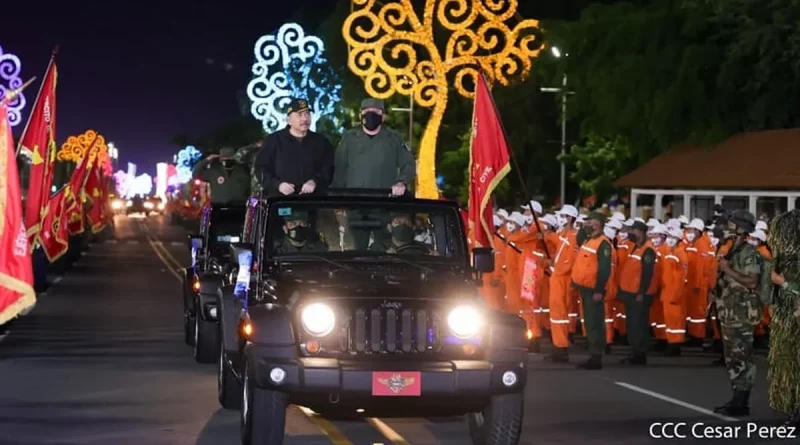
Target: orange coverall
<point>674,269</point>
<point>493,287</point>
<point>624,249</point>
<point>551,241</point>
<point>697,286</point>
<point>560,287</point>
<point>513,272</point>
<point>611,302</point>
<point>529,280</point>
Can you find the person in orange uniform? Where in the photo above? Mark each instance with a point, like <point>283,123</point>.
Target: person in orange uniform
<point>550,227</point>
<point>512,258</point>
<point>674,268</point>
<point>532,264</point>
<point>658,237</point>
<point>591,273</point>
<point>575,310</point>
<point>758,239</point>
<point>638,285</point>
<point>611,229</point>
<point>493,286</point>
<point>624,248</point>
<point>560,281</point>
<point>697,247</point>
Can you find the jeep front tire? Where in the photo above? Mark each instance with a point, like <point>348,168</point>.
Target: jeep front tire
<point>500,423</point>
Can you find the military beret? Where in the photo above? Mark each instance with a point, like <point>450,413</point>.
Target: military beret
<point>372,103</point>
<point>227,152</point>
<point>597,216</point>
<point>638,225</point>
<point>297,105</point>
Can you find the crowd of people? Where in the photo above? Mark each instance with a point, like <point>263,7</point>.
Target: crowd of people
<point>655,284</point>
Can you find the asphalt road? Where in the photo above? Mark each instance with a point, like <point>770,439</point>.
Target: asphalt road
<point>101,360</point>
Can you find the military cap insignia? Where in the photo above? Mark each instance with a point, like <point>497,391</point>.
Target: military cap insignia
<point>302,103</point>
<point>221,180</point>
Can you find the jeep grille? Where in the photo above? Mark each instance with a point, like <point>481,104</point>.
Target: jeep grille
<point>390,330</point>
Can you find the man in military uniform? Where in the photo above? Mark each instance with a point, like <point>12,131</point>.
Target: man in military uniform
<point>295,160</point>
<point>399,237</point>
<point>590,275</point>
<point>738,311</point>
<point>298,236</point>
<point>229,180</point>
<point>373,156</point>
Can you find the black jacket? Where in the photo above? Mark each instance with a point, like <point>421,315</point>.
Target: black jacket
<point>286,158</point>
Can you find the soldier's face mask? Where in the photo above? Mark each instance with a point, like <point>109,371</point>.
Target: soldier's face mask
<point>753,242</point>
<point>691,236</point>
<point>298,233</point>
<point>371,120</point>
<point>657,240</point>
<point>672,242</point>
<point>623,235</point>
<point>403,233</point>
<point>227,163</point>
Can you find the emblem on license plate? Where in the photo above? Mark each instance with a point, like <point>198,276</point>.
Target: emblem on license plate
<point>396,384</point>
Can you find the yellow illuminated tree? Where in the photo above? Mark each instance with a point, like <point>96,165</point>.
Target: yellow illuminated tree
<point>395,52</point>
<point>76,147</point>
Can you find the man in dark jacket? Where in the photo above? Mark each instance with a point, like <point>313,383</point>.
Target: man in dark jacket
<point>295,160</point>
<point>374,156</point>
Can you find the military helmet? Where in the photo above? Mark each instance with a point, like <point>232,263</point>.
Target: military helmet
<point>743,220</point>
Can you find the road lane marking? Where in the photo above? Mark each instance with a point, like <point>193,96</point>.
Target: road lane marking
<point>686,405</point>
<point>152,238</point>
<point>387,431</point>
<point>334,435</point>
<point>165,261</point>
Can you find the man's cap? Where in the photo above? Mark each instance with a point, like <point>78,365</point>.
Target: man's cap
<point>652,222</point>
<point>638,225</point>
<point>297,105</point>
<point>597,216</point>
<point>297,216</point>
<point>629,222</point>
<point>675,232</point>
<point>615,224</point>
<point>683,219</point>
<point>502,213</point>
<point>673,222</point>
<point>537,206</point>
<point>696,224</point>
<point>618,216</point>
<point>744,220</point>
<point>759,235</point>
<point>372,103</point>
<point>762,225</point>
<point>227,152</point>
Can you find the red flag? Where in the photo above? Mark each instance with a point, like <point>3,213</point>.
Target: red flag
<point>16,269</point>
<point>38,138</point>
<point>489,163</point>
<point>97,196</point>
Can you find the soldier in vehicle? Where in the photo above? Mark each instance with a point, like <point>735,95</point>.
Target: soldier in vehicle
<point>373,156</point>
<point>298,236</point>
<point>738,311</point>
<point>229,179</point>
<point>400,237</point>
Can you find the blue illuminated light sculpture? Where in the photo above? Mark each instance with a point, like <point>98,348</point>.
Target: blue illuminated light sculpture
<point>186,160</point>
<point>10,67</point>
<point>290,64</point>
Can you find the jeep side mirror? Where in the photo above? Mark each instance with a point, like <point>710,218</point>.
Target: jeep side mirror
<point>242,252</point>
<point>195,241</point>
<point>483,259</point>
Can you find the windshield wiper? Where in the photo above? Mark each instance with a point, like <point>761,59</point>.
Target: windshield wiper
<point>398,259</point>
<point>289,258</point>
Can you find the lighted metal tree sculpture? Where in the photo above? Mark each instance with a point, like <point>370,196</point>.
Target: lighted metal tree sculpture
<point>185,161</point>
<point>289,64</point>
<point>394,51</point>
<point>76,147</point>
<point>10,68</point>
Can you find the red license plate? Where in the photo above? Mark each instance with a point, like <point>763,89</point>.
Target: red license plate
<point>397,383</point>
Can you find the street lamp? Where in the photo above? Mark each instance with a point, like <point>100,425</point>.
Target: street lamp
<point>563,91</point>
<point>410,111</point>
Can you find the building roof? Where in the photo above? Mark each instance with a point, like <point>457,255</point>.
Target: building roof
<point>765,160</point>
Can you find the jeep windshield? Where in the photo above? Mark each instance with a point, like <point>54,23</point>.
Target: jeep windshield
<point>379,230</point>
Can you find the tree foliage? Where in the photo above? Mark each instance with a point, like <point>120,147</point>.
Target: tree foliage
<point>599,162</point>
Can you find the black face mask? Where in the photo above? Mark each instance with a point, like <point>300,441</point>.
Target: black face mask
<point>227,163</point>
<point>403,233</point>
<point>371,120</point>
<point>632,237</point>
<point>299,234</point>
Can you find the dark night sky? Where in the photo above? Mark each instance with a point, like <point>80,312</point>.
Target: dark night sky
<point>139,74</point>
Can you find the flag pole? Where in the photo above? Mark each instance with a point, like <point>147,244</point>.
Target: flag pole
<point>38,94</point>
<point>514,161</point>
<point>12,94</point>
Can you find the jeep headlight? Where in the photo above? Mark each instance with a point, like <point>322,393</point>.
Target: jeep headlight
<point>464,321</point>
<point>318,319</point>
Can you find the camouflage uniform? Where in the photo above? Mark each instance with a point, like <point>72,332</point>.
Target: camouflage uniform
<point>738,311</point>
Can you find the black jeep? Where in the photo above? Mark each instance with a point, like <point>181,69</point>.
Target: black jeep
<point>219,227</point>
<point>366,306</point>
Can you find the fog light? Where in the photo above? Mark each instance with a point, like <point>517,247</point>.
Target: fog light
<point>277,375</point>
<point>313,346</point>
<point>509,378</point>
<point>212,312</point>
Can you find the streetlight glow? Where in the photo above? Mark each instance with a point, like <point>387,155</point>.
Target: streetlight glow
<point>556,52</point>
